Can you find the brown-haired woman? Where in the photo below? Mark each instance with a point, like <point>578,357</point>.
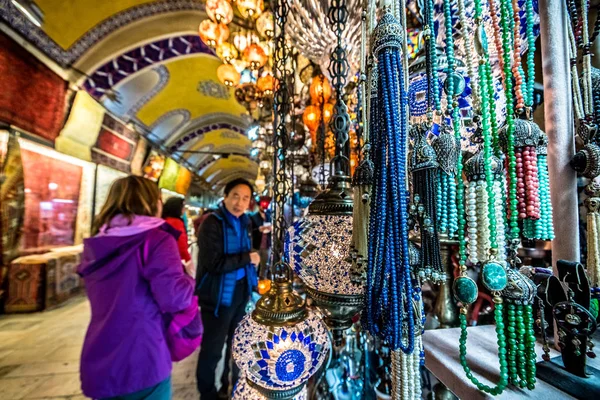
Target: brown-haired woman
<point>135,282</point>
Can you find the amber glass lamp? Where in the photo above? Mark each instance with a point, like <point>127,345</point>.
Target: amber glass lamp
<point>311,118</point>
<point>219,11</point>
<point>228,75</point>
<point>255,55</point>
<point>266,84</point>
<point>320,90</point>
<point>213,34</point>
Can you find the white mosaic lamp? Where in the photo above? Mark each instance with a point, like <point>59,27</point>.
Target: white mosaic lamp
<point>281,344</point>
<point>318,249</point>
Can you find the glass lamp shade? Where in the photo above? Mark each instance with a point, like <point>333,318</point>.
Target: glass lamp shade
<point>311,118</point>
<point>265,25</point>
<point>280,358</point>
<point>327,113</point>
<point>226,52</point>
<point>228,75</point>
<point>266,84</point>
<point>250,8</point>
<point>241,40</point>
<point>256,56</point>
<point>219,11</point>
<point>243,391</point>
<point>260,144</point>
<point>318,247</point>
<point>320,90</point>
<point>213,34</point>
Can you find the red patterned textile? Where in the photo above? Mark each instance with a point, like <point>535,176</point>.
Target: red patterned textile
<point>51,199</point>
<point>26,285</point>
<point>32,97</point>
<point>115,145</point>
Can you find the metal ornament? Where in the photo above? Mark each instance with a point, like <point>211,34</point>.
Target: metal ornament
<point>520,289</point>
<point>587,161</point>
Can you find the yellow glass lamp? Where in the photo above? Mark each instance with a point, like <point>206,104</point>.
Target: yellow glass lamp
<point>250,8</point>
<point>228,75</point>
<point>213,34</point>
<point>265,25</point>
<point>227,52</point>
<point>312,117</point>
<point>219,11</point>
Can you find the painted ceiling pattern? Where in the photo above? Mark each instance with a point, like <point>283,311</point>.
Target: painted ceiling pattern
<point>166,84</point>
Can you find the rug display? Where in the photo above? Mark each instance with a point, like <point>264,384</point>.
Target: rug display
<point>154,166</point>
<point>52,187</point>
<point>81,130</point>
<point>27,81</point>
<point>62,281</point>
<point>26,284</point>
<point>115,145</point>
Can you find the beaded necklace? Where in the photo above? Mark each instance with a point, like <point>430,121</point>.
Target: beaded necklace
<point>523,135</point>
<point>445,145</point>
<point>513,323</point>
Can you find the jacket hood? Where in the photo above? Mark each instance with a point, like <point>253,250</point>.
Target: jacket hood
<point>107,251</point>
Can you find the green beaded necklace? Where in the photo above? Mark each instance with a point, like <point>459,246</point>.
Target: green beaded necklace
<point>494,275</point>
<point>519,328</point>
<point>517,354</point>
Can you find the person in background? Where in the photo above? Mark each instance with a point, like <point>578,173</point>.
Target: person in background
<point>226,276</point>
<point>261,233</point>
<point>172,213</point>
<point>136,284</point>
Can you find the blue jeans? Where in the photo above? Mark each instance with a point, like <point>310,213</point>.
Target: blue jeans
<point>162,391</point>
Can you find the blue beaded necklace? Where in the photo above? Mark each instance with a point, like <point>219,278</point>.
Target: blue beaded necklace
<point>390,290</point>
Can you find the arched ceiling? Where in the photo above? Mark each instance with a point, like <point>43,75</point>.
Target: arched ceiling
<point>143,60</point>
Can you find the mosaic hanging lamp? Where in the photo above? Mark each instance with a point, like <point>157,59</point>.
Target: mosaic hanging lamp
<point>245,391</point>
<point>319,244</point>
<point>281,344</point>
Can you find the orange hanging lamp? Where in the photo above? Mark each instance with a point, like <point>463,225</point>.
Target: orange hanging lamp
<point>213,34</point>
<point>228,75</point>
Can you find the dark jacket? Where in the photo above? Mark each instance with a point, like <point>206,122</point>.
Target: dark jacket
<point>214,262</point>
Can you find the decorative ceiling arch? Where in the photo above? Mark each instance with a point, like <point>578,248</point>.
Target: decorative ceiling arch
<point>170,122</point>
<point>70,30</point>
<point>129,63</point>
<point>220,169</point>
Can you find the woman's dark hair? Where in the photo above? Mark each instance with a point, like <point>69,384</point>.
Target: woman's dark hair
<point>173,208</point>
<point>236,182</point>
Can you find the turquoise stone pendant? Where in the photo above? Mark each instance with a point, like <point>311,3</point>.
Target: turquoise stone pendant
<point>465,290</point>
<point>493,276</point>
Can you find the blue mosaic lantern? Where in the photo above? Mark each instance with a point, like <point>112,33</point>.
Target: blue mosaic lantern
<point>244,390</point>
<point>281,344</point>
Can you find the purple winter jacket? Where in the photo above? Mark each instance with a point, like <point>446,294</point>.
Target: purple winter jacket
<point>125,349</point>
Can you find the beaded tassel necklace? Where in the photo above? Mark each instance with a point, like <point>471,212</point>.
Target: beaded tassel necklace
<point>519,293</point>
<point>444,145</point>
<point>593,237</point>
<point>516,354</point>
<point>393,306</point>
<point>543,228</point>
<point>424,169</point>
<point>390,287</point>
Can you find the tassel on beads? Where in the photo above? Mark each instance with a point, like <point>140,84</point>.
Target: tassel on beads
<point>446,149</point>
<point>542,228</point>
<point>477,208</point>
<point>526,138</point>
<point>424,168</point>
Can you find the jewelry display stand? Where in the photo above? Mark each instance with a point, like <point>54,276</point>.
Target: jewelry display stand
<point>579,387</point>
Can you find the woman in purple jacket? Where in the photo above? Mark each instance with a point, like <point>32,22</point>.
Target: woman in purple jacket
<point>135,282</point>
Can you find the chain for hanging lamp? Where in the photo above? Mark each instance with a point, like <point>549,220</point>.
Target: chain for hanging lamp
<point>282,343</point>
